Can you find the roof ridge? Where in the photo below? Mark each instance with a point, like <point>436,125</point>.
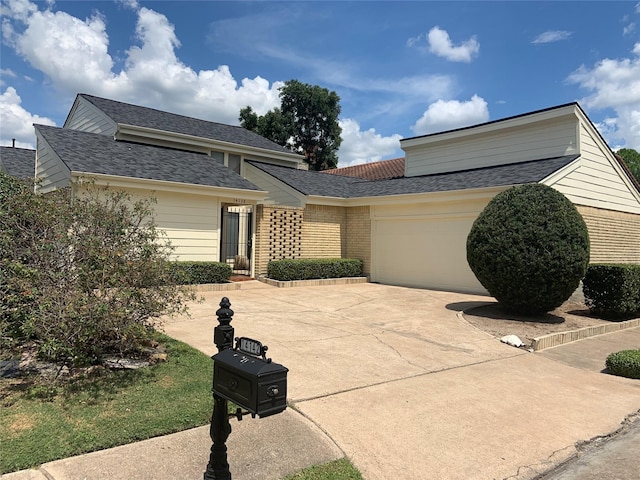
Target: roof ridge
<point>88,96</point>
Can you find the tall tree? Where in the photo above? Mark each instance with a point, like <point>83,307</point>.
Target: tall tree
<point>632,159</point>
<point>307,123</point>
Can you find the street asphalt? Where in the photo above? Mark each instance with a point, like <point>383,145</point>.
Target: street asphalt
<point>397,381</point>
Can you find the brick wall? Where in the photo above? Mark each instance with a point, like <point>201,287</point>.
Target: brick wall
<point>615,236</point>
<point>358,238</point>
<point>278,235</point>
<point>324,232</point>
<point>318,231</point>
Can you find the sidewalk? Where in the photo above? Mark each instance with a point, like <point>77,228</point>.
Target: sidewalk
<point>394,379</point>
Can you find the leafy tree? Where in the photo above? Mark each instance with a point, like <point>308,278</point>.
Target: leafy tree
<point>529,248</point>
<point>632,159</point>
<point>307,122</point>
<point>272,125</point>
<point>82,275</point>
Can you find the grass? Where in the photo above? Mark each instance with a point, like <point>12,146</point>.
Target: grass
<point>41,422</point>
<point>337,470</point>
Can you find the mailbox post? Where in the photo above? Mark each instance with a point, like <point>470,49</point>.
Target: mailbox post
<point>218,466</point>
<point>245,376</point>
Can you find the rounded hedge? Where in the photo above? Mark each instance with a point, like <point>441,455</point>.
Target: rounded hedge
<point>529,248</point>
<point>625,363</point>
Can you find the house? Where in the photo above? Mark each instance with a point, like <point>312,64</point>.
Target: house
<point>17,162</point>
<point>412,230</point>
<point>191,167</point>
<point>227,194</point>
<point>381,170</point>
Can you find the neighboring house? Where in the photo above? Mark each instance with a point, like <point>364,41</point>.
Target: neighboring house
<point>381,170</point>
<point>407,219</point>
<point>17,162</point>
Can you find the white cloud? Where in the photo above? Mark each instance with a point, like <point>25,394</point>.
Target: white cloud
<point>614,84</point>
<point>552,36</point>
<point>130,4</point>
<point>359,146</point>
<point>73,54</point>
<point>16,122</point>
<point>441,45</point>
<point>6,72</point>
<point>448,115</point>
<point>628,29</point>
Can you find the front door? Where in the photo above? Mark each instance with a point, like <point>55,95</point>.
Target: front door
<point>236,238</point>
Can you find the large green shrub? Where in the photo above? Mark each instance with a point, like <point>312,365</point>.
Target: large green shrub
<point>307,269</point>
<point>613,291</point>
<point>83,274</point>
<point>193,273</point>
<point>625,363</point>
<point>529,248</point>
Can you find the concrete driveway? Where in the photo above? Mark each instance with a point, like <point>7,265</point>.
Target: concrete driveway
<point>408,389</point>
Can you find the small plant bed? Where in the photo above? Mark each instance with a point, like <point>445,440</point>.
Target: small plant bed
<point>338,470</point>
<point>625,363</point>
<point>492,318</point>
<point>43,419</point>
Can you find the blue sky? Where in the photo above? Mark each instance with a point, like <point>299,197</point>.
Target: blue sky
<point>401,69</point>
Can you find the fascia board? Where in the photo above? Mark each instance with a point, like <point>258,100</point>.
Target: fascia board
<point>562,172</point>
<point>449,196</point>
<point>329,201</point>
<point>237,194</point>
<point>604,147</point>
<point>193,140</point>
<point>301,197</point>
<point>486,128</point>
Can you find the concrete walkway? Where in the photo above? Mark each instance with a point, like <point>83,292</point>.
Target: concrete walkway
<point>395,379</point>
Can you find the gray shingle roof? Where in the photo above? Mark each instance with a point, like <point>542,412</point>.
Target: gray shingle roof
<point>129,114</point>
<point>94,153</point>
<point>19,162</point>
<point>317,183</point>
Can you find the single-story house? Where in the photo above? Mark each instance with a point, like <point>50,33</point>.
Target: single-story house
<point>225,193</point>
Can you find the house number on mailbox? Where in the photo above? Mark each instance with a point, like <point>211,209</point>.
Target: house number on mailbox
<point>250,346</point>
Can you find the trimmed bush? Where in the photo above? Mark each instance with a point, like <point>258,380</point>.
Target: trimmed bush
<point>529,248</point>
<point>308,269</point>
<point>193,273</point>
<point>613,291</point>
<point>625,363</point>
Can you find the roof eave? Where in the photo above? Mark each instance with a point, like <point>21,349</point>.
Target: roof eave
<point>440,196</point>
<point>239,195</point>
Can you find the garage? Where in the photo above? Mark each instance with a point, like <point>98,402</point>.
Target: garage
<point>424,244</point>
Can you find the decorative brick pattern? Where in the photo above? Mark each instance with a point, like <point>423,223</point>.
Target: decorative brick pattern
<point>278,235</point>
<point>615,236</point>
<point>317,231</point>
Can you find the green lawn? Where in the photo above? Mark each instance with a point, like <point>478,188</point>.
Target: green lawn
<point>41,422</point>
<point>338,470</point>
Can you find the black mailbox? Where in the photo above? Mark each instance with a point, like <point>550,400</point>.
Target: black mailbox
<point>251,382</point>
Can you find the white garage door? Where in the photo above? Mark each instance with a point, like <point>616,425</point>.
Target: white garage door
<point>423,252</point>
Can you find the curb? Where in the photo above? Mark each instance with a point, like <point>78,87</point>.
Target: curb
<point>215,287</point>
<point>561,338</point>
<point>313,283</point>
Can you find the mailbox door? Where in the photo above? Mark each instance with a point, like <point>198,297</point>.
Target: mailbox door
<point>235,385</point>
<point>272,392</point>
